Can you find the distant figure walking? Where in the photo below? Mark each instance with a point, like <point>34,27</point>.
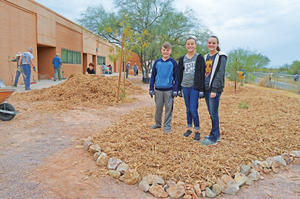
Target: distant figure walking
<point>127,68</point>
<point>56,64</point>
<point>27,63</point>
<point>135,69</point>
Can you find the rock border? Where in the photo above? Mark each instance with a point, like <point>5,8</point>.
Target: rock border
<point>160,188</point>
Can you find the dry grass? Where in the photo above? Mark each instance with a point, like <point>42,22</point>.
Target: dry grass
<point>270,126</point>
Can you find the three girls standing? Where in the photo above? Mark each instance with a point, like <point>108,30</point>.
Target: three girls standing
<point>202,77</point>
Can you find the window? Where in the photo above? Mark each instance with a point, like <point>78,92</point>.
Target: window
<point>100,60</point>
<point>70,56</point>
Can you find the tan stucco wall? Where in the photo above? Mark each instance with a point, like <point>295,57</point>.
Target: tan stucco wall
<point>18,33</point>
<point>25,23</point>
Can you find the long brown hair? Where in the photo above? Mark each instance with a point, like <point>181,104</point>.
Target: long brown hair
<point>218,47</point>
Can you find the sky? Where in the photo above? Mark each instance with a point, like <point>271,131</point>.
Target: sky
<point>269,27</point>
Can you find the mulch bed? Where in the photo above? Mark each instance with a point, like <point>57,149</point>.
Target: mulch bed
<point>255,124</point>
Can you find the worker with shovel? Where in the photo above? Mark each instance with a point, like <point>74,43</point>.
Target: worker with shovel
<point>19,68</point>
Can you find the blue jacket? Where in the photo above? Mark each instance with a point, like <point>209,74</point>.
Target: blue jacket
<point>56,62</point>
<point>164,75</point>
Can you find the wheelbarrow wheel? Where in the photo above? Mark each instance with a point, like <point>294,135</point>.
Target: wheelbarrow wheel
<point>7,107</point>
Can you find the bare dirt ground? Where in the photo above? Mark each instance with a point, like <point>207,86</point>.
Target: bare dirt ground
<point>41,157</point>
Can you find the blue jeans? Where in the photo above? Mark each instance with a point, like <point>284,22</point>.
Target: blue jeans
<point>126,74</point>
<point>191,103</point>
<point>27,72</point>
<point>18,73</point>
<point>213,109</point>
<point>57,71</point>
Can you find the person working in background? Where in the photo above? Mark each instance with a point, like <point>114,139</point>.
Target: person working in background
<point>56,64</point>
<point>103,68</point>
<point>27,63</point>
<point>19,68</point>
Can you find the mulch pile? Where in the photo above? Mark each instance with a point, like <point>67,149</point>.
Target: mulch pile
<point>255,123</point>
<point>78,90</point>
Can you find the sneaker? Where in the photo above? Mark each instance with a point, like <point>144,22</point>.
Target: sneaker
<point>207,142</point>
<point>197,136</point>
<point>187,133</point>
<point>155,126</point>
<point>218,139</point>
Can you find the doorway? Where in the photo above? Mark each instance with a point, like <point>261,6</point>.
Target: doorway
<point>45,55</point>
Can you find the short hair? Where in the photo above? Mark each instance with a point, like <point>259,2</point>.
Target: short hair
<point>91,64</point>
<point>191,38</point>
<point>167,45</point>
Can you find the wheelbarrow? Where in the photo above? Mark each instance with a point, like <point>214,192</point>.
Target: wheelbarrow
<point>7,111</point>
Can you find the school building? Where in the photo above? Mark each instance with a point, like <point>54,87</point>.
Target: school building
<point>26,23</point>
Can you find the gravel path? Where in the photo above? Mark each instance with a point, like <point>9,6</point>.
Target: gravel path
<point>23,151</point>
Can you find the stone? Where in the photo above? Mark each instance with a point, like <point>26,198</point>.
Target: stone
<point>122,168</point>
<point>274,169</point>
<point>221,184</point>
<point>131,176</point>
<point>189,192</point>
<point>187,197</point>
<point>158,191</point>
<point>245,169</point>
<point>209,193</point>
<point>226,179</point>
<point>86,144</point>
<point>94,148</point>
<point>279,159</point>
<point>216,188</point>
<point>149,179</point>
<point>254,175</point>
<point>240,179</point>
<point>96,155</point>
<point>257,165</point>
<point>114,174</point>
<point>267,164</point>
<point>176,191</point>
<point>287,158</point>
<point>170,183</point>
<point>232,188</point>
<point>144,186</point>
<point>158,180</point>
<point>102,160</point>
<point>194,196</point>
<point>197,189</point>
<point>249,181</point>
<point>203,186</point>
<point>113,163</point>
<point>180,183</point>
<point>296,154</point>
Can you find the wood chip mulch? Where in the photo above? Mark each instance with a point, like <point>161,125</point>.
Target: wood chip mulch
<point>255,124</point>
